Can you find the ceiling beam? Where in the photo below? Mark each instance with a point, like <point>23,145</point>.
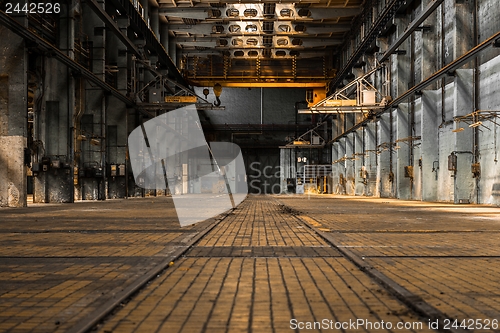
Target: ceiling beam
<point>314,14</point>
<point>210,83</point>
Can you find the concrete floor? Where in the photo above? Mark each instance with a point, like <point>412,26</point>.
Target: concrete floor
<point>276,264</point>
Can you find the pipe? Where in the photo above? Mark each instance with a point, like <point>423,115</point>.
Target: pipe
<point>411,123</point>
<point>71,96</point>
<point>443,80</point>
<point>103,147</point>
<point>126,155</point>
<point>476,97</point>
<point>261,106</point>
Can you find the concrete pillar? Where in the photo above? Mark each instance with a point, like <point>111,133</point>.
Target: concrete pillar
<point>400,63</point>
<point>145,7</point>
<point>164,37</point>
<point>350,119</point>
<point>458,24</point>
<point>402,152</point>
<point>93,122</point>
<point>429,42</point>
<point>13,124</point>
<point>350,171</point>
<point>464,187</point>
<point>371,158</point>
<point>133,120</point>
<point>335,168</point>
<point>336,126</point>
<point>490,140</point>
<point>463,26</point>
<point>342,165</point>
<point>446,143</point>
<point>417,152</point>
<point>55,183</point>
<point>55,121</point>
<point>385,174</point>
<point>359,182</point>
<point>172,51</point>
<point>431,109</point>
<point>116,127</point>
<point>155,21</point>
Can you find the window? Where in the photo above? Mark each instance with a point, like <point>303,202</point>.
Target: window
<point>286,12</point>
<point>282,41</point>
<point>252,41</point>
<point>218,28</point>
<point>300,28</point>
<point>232,12</point>
<point>250,12</point>
<point>251,28</point>
<point>234,28</point>
<point>304,12</point>
<point>284,28</point>
<point>237,42</point>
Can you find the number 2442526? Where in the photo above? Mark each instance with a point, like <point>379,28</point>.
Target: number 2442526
<point>32,8</point>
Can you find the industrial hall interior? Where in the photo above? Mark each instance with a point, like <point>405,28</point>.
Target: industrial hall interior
<point>249,165</point>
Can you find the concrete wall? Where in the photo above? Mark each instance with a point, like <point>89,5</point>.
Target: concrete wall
<point>249,108</point>
<point>424,130</point>
<point>13,122</point>
<point>255,105</point>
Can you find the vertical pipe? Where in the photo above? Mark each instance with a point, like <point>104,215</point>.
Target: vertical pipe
<point>103,147</point>
<point>261,106</point>
<point>71,97</point>
<point>391,149</point>
<point>476,97</point>
<point>126,154</point>
<point>411,123</point>
<point>443,80</point>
